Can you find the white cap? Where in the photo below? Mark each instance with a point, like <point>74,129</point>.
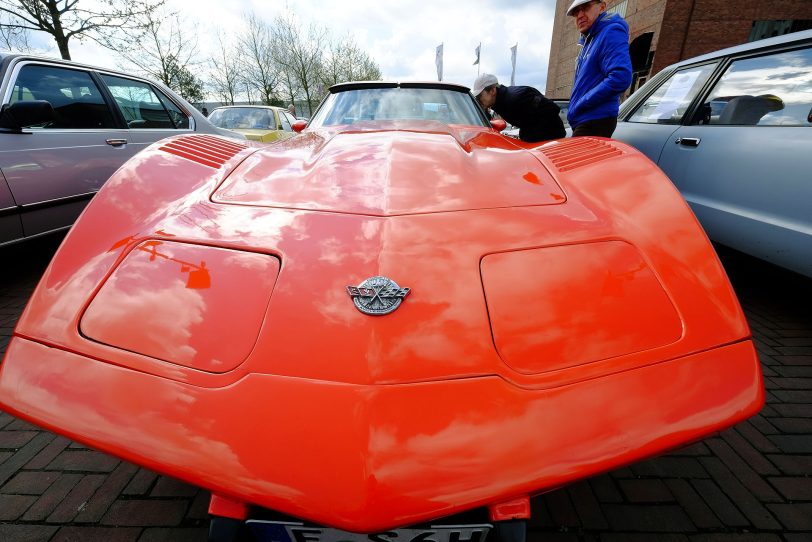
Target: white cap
<point>482,82</point>
<point>575,4</point>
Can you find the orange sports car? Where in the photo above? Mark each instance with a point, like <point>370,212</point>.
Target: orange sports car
<point>398,325</point>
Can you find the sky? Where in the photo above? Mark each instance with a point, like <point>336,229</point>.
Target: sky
<point>401,36</point>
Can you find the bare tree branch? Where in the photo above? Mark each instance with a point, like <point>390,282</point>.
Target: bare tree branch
<point>299,56</point>
<point>259,69</point>
<point>345,61</point>
<point>65,19</point>
<point>14,37</point>
<point>224,71</point>
<point>164,51</point>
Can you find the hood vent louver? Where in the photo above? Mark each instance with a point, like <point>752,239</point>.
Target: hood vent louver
<point>207,150</point>
<point>577,152</point>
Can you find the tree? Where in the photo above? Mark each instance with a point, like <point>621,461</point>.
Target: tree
<point>12,38</point>
<point>345,61</point>
<point>224,73</point>
<point>290,84</point>
<point>65,19</point>
<point>183,81</point>
<point>163,51</point>
<point>258,67</point>
<point>299,56</point>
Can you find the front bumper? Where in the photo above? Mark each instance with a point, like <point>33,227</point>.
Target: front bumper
<point>367,458</point>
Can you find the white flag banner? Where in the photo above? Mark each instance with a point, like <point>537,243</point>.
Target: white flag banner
<point>513,63</point>
<point>478,47</point>
<point>438,61</point>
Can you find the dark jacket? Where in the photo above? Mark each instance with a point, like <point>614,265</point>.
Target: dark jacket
<point>603,71</point>
<point>527,108</point>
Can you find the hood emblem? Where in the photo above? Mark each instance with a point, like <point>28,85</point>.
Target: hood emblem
<point>377,295</point>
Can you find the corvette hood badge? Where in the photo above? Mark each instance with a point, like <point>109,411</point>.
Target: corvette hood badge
<point>377,295</point>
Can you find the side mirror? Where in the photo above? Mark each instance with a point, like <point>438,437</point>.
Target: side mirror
<point>299,125</point>
<point>498,124</point>
<point>20,114</point>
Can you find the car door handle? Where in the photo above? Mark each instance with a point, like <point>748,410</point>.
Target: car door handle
<point>117,142</point>
<point>688,141</point>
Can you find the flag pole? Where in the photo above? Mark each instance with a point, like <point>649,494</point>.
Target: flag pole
<point>438,61</point>
<point>513,63</point>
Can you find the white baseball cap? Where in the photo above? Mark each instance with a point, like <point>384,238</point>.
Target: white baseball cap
<point>482,82</point>
<point>577,3</point>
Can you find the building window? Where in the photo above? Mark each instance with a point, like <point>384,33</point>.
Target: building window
<point>769,29</point>
<point>620,9</point>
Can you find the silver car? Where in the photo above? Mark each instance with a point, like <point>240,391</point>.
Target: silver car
<point>733,131</point>
<point>65,128</point>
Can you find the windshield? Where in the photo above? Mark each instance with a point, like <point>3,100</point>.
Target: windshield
<point>244,117</point>
<point>447,106</point>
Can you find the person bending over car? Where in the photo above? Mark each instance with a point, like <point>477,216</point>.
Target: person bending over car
<point>525,107</point>
<point>603,69</point>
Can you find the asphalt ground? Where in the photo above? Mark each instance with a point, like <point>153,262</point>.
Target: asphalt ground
<point>750,483</point>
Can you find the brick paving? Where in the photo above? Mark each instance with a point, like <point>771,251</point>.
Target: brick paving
<point>750,483</point>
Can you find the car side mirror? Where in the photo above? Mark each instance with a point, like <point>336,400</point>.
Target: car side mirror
<point>498,124</point>
<point>299,125</point>
<point>18,115</point>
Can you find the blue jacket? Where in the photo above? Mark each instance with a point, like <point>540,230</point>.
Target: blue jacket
<point>602,72</point>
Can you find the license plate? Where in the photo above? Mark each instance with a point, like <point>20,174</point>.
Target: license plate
<point>280,531</point>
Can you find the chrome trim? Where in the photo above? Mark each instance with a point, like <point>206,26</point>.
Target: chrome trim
<point>39,130</point>
<point>9,210</point>
<point>33,236</point>
<point>56,201</point>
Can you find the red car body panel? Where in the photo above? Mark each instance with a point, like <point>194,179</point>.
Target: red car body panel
<point>567,315</point>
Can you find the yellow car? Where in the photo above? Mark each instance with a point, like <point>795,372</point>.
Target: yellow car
<point>262,123</point>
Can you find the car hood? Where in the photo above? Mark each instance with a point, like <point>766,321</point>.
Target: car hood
<point>392,169</point>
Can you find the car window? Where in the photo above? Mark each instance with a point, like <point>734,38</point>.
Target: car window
<point>138,102</point>
<point>285,122</point>
<point>766,91</point>
<point>242,118</point>
<point>75,97</point>
<point>403,103</point>
<point>671,100</point>
<point>180,118</point>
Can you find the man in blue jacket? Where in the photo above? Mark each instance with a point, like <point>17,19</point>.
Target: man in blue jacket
<point>603,69</point>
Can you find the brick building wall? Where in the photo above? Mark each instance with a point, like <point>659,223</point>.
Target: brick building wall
<point>696,27</point>
<point>681,29</point>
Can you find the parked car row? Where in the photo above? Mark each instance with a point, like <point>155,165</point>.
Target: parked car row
<point>66,127</point>
<point>733,131</point>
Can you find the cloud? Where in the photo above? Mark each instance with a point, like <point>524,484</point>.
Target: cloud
<point>400,36</point>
